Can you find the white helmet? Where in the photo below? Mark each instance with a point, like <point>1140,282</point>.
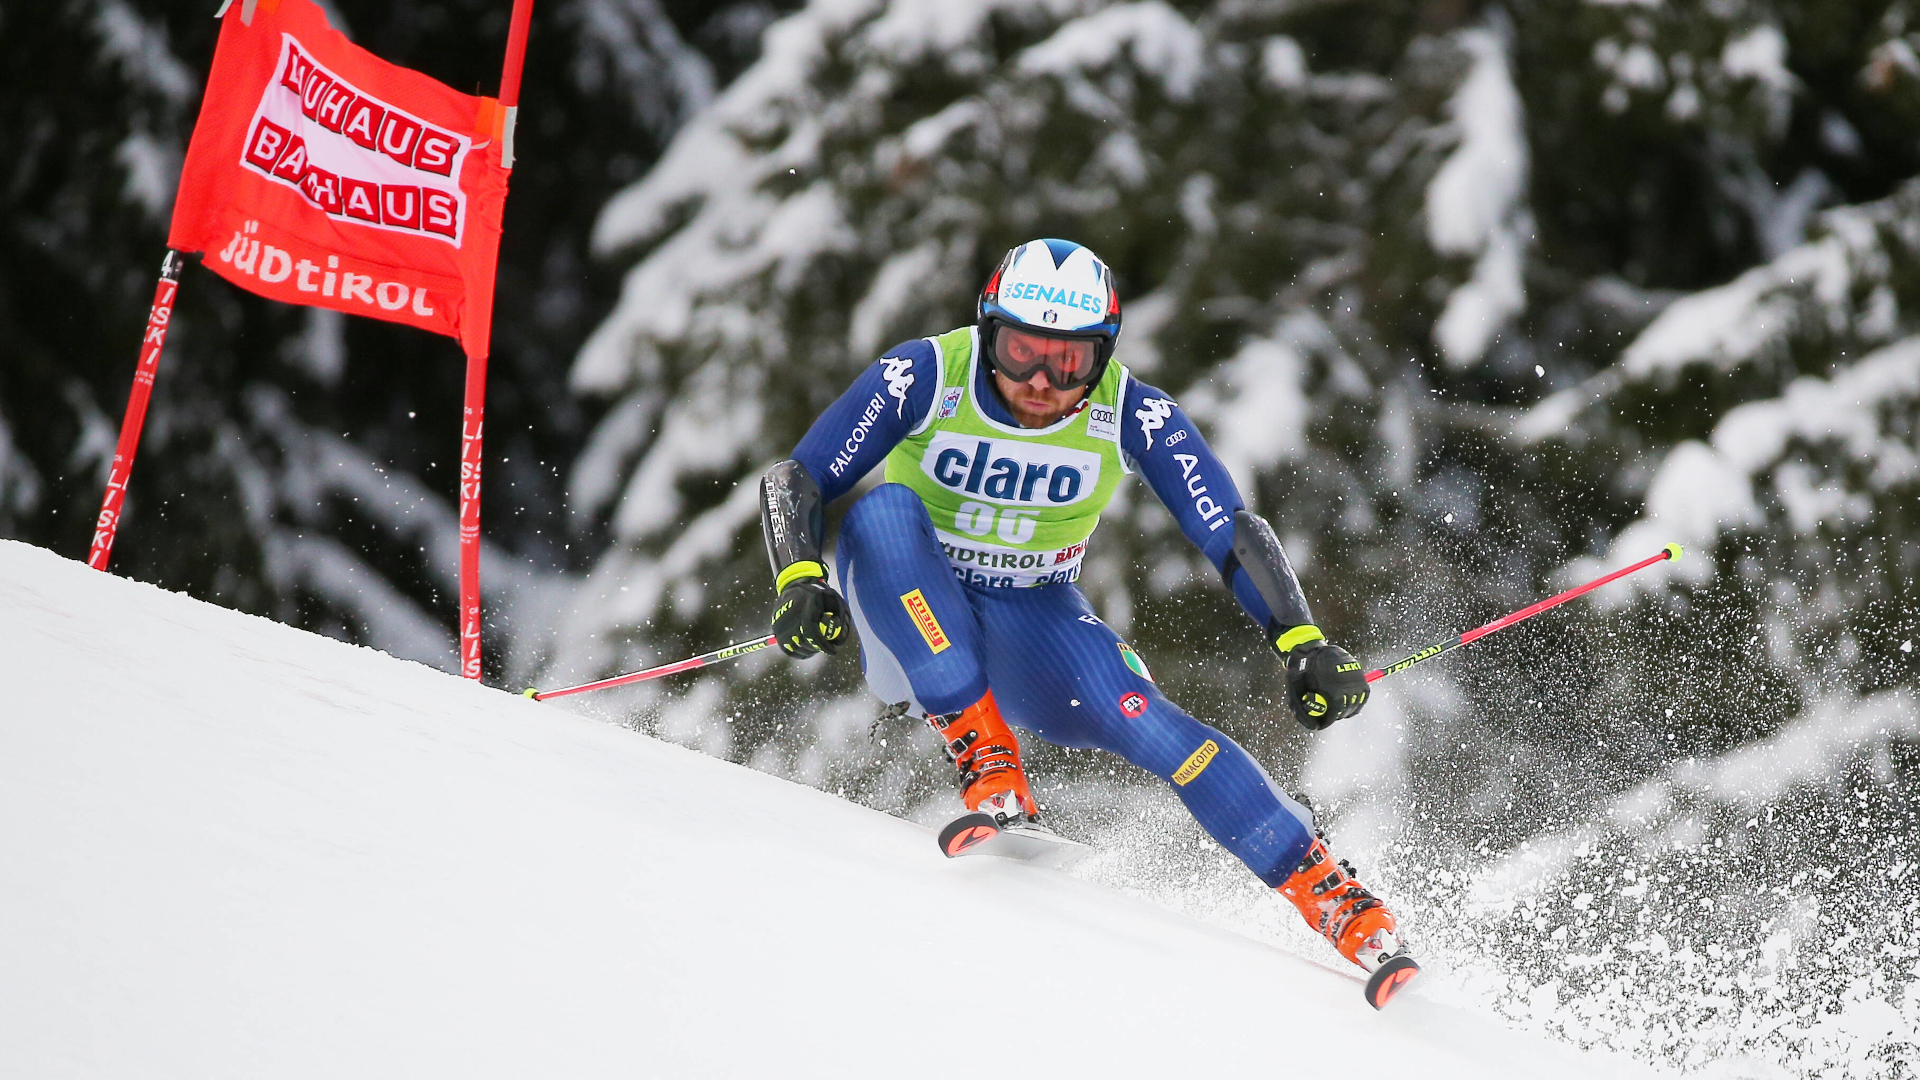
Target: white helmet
<point>1054,289</point>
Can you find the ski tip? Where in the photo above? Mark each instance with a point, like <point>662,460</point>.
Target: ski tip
<point>1389,978</point>
<point>965,832</point>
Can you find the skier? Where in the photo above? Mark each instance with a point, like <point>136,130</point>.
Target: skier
<point>1003,441</point>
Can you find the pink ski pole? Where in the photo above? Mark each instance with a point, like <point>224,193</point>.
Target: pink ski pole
<point>1671,551</point>
<point>731,652</point>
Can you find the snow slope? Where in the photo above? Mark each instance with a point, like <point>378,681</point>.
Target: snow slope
<point>232,848</point>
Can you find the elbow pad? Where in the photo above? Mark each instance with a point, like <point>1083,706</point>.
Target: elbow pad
<point>792,521</point>
<point>1257,551</point>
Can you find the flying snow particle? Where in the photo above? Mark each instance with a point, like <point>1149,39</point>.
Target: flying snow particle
<point>1538,370</point>
<point>1449,519</point>
<point>1907,645</point>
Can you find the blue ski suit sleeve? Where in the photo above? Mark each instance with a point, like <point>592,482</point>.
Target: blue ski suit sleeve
<point>857,431</point>
<point>1173,458</point>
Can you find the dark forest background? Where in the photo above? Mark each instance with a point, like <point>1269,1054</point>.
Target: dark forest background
<point>1476,299</point>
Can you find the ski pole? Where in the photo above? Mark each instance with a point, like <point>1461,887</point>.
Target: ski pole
<point>731,652</point>
<point>1671,551</point>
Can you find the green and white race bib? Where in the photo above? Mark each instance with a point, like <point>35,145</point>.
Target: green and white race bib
<point>1012,506</point>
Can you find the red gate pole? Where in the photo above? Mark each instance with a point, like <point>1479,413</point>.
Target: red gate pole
<point>472,419</point>
<point>107,525</point>
<point>510,71</point>
<point>473,412</point>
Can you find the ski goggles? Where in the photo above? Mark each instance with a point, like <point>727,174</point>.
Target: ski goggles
<point>1070,362</point>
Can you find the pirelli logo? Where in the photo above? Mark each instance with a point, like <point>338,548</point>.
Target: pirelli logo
<point>922,615</point>
<point>1197,763</point>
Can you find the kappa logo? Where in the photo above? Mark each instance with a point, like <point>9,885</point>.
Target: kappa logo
<point>1196,763</point>
<point>1133,703</point>
<point>1153,415</point>
<point>923,620</point>
<point>898,379</point>
<point>355,157</point>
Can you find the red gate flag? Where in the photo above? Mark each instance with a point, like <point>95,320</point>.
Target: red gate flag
<point>320,174</point>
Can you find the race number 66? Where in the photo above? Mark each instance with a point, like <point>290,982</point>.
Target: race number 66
<point>1010,525</point>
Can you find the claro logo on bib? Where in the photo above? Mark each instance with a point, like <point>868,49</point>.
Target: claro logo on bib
<point>1011,471</point>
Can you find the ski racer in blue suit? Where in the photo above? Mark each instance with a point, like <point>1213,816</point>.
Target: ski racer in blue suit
<point>1001,444</point>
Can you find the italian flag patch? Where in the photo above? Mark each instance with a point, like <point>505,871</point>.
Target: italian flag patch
<point>1138,666</point>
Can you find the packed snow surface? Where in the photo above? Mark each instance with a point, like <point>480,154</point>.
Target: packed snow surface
<point>233,848</point>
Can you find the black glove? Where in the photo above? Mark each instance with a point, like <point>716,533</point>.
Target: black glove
<point>809,617</point>
<point>1324,682</point>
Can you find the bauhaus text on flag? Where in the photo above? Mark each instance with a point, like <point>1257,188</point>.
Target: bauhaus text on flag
<point>320,174</point>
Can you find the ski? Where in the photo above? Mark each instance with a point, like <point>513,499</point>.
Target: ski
<point>1385,959</point>
<point>1389,965</point>
<point>982,834</point>
<point>1387,981</point>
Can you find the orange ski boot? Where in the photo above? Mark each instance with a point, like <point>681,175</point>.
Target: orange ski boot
<point>983,748</point>
<point>1360,927</point>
